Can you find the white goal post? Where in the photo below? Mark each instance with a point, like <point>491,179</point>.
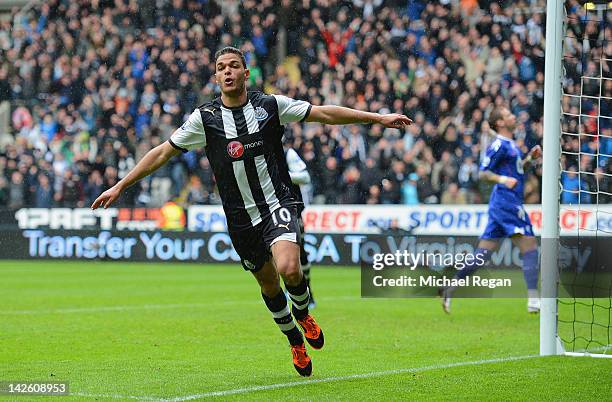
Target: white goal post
<point>550,342</point>
<point>550,177</point>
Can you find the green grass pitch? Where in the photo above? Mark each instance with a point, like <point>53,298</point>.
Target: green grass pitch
<point>190,332</point>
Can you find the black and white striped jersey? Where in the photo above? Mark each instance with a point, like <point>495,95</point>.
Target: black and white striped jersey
<point>244,147</point>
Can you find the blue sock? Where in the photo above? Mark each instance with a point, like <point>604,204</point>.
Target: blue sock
<point>482,256</point>
<point>530,268</point>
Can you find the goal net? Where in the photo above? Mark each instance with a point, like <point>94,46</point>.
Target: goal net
<point>584,250</point>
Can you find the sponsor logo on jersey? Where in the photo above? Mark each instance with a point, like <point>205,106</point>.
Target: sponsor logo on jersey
<point>253,144</point>
<point>260,113</point>
<point>235,149</point>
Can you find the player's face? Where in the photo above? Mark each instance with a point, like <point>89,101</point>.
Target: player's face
<point>230,74</point>
<point>509,120</point>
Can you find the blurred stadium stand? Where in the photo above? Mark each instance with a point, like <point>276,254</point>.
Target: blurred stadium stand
<point>92,85</point>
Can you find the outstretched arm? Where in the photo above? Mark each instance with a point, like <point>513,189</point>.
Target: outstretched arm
<point>331,114</point>
<point>153,160</point>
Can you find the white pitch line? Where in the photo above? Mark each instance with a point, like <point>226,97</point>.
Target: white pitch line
<point>345,378</point>
<point>101,309</point>
<point>112,396</point>
<point>256,388</point>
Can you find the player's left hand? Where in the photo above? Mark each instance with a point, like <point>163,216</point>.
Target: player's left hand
<point>536,152</point>
<point>395,120</point>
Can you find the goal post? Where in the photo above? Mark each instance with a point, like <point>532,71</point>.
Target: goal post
<point>576,274</point>
<point>551,175</point>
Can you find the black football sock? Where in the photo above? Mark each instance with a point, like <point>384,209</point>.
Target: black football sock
<point>282,316</point>
<point>306,271</point>
<point>300,298</point>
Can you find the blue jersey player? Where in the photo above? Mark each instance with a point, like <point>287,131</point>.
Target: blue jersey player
<point>503,165</point>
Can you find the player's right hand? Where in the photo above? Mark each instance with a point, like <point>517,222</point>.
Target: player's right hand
<point>105,199</point>
<point>510,182</point>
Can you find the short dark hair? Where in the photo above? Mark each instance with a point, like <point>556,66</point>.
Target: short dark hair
<point>230,49</point>
<point>496,114</point>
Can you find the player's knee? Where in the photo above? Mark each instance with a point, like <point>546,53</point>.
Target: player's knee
<point>528,244</point>
<point>289,268</point>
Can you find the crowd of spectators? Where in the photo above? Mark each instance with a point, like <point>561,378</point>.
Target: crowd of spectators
<point>93,85</point>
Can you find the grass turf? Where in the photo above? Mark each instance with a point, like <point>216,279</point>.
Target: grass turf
<point>186,330</point>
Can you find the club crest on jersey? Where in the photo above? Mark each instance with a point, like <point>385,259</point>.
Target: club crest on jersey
<point>248,264</point>
<point>235,149</point>
<point>260,113</point>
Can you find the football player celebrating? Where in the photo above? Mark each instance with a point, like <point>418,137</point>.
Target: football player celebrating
<point>241,132</point>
